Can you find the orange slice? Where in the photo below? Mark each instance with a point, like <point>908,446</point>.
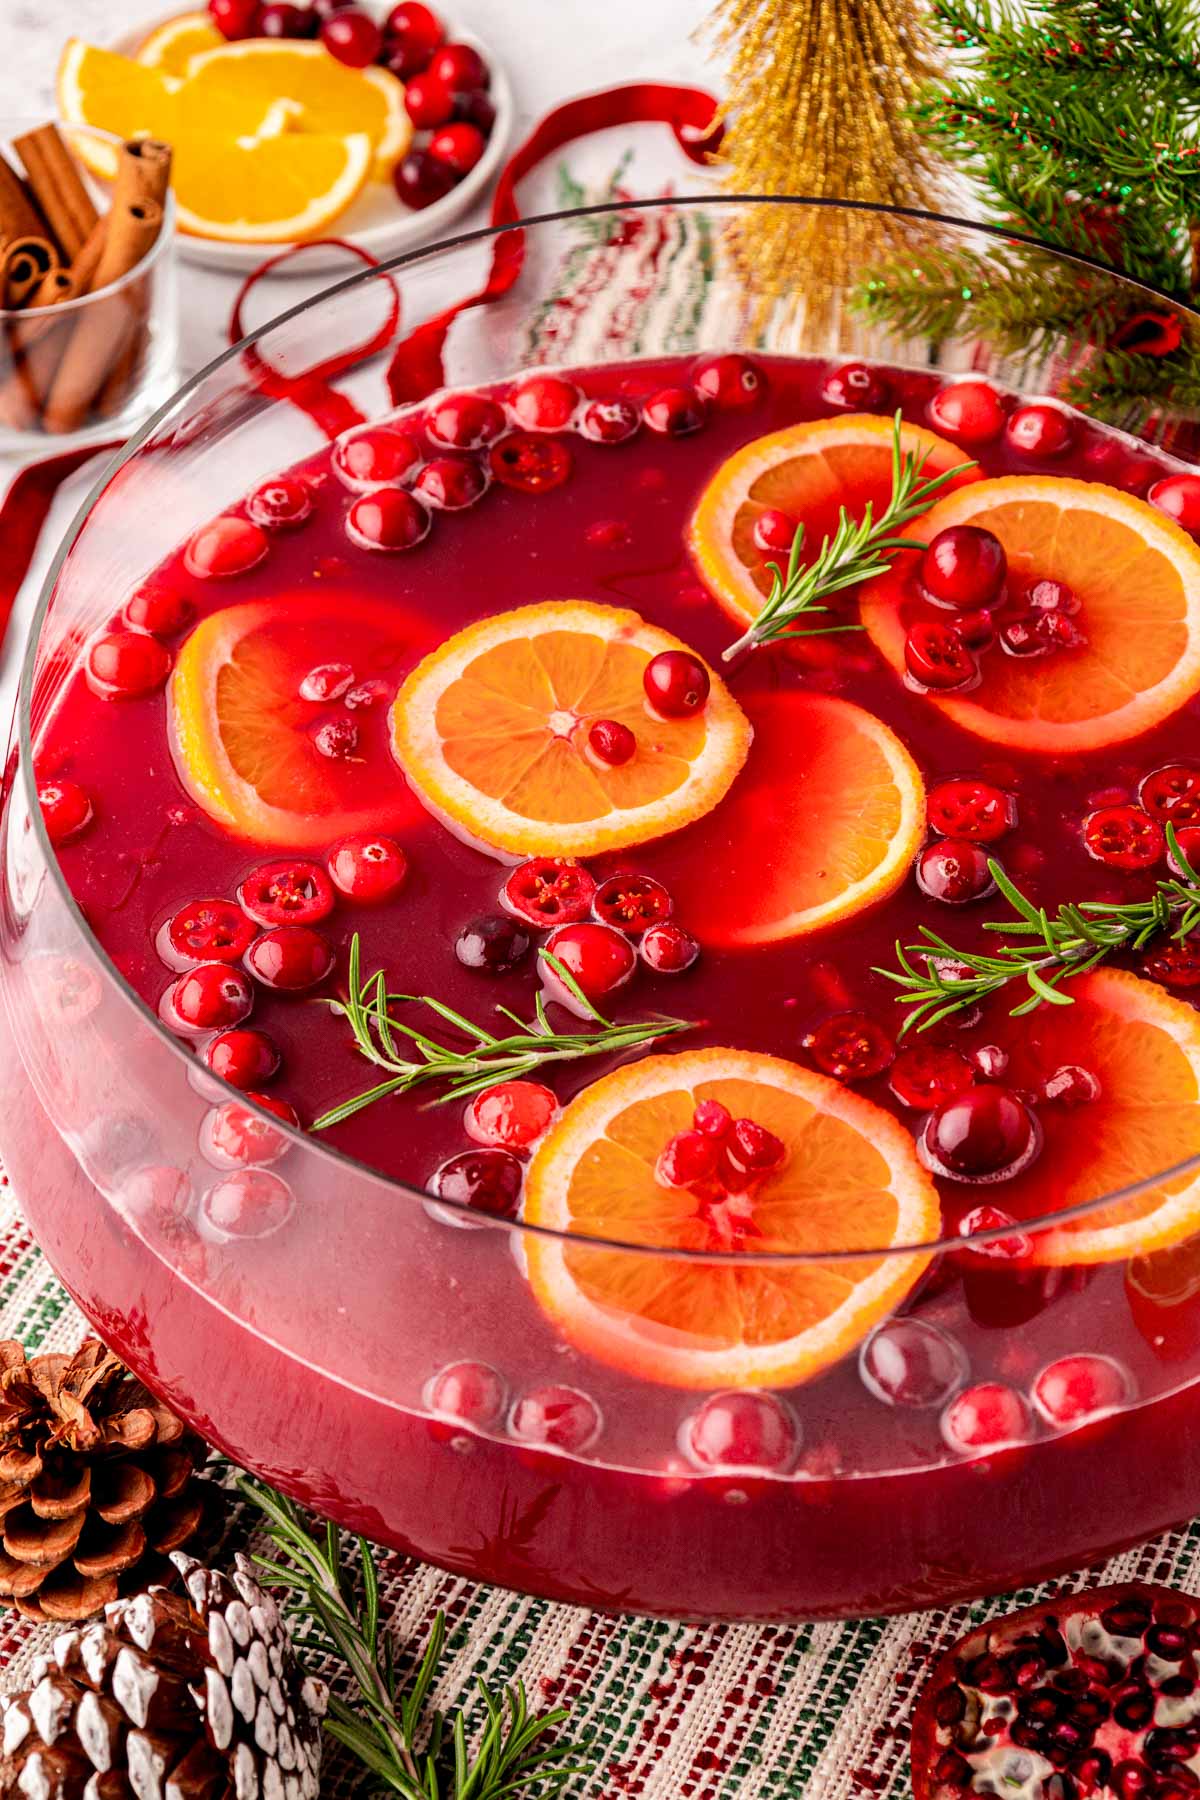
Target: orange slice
<point>1137,575</point>
<point>807,471</point>
<point>491,731</point>
<point>172,46</point>
<point>269,189</point>
<point>851,1181</point>
<point>243,735</point>
<point>1143,1046</point>
<point>128,98</point>
<point>826,822</point>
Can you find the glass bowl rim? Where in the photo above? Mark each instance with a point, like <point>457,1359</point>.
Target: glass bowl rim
<point>304,1140</point>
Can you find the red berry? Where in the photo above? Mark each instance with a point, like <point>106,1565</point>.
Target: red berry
<point>325,9</point>
<point>559,1416</point>
<point>971,809</point>
<point>774,530</point>
<point>752,1149</point>
<point>908,1362</point>
<point>850,1046</point>
<point>66,809</point>
<point>1179,497</point>
<point>368,868</point>
<point>287,892</point>
<point>242,1057</point>
<point>465,421</point>
<point>125,665</point>
<point>1070,1085</point>
<point>612,743</point>
<point>954,870</point>
<point>857,387</point>
<point>985,1417</point>
<point>544,402</point>
<point>597,957</point>
<point>982,1131</point>
<point>227,546</point>
<point>380,454</point>
<point>281,503</point>
<point>328,681</point>
<point>1020,637</point>
<point>471,1392</point>
<point>420,180</point>
<point>548,891</point>
<point>487,1180</point>
<point>474,107</point>
<point>936,656</point>
<point>1176,965</point>
<point>1124,837</point>
<point>1039,430</point>
<point>673,412</point>
<point>495,944</point>
<point>677,684</point>
<point>1172,793</point>
<point>964,566</point>
<point>668,949</point>
<point>207,931</point>
<point>730,382</point>
<point>211,996</point>
<point>417,23</point>
<point>1188,839</point>
<point>687,1158</point>
<point>157,608</point>
<point>451,483</point>
<point>1016,1247</point>
<point>609,421</point>
<point>529,463</point>
<point>353,38</point>
<point>404,58</point>
<point>711,1118</point>
<point>631,903</point>
<point>388,519</point>
<point>252,1203</point>
<point>280,19</point>
<point>742,1431</point>
<point>234,18</point>
<point>459,146</point>
<point>428,101</point>
<point>1078,1387</point>
<point>967,410</point>
<point>460,66</point>
<point>926,1075</point>
<point>977,628</point>
<point>512,1115</point>
<point>1051,597</point>
<point>291,957</point>
<point>336,738</point>
<point>1059,631</point>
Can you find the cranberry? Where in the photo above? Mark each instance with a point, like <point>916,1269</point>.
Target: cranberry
<point>1175,965</point>
<point>560,1416</point>
<point>668,949</point>
<point>428,101</point>
<point>677,684</point>
<point>741,1431</point>
<point>227,546</point>
<point>609,421</point>
<point>367,693</point>
<point>486,1180</point>
<point>990,1061</point>
<point>1059,631</point>
<point>971,809</point>
<point>977,628</point>
<point>981,1133</point>
<point>1046,596</point>
<point>211,996</point>
<point>403,57</point>
<point>752,1149</point>
<point>126,665</point>
<point>928,1074</point>
<point>511,1115</point>
<point>353,38</point>
<point>469,1391</point>
<point>1078,1387</point>
<point>674,412</point>
<point>291,957</point>
<point>1179,497</point>
<point>850,1047</point>
<point>336,739</point>
<point>326,682</point>
<point>474,107</point>
<point>612,743</point>
<point>465,421</point>
<point>234,18</point>
<point>388,519</point>
<point>66,810</point>
<point>687,1158</point>
<point>460,66</point>
<point>910,1363</point>
<point>936,656</point>
<point>325,9</point>
<point>1184,859</point>
<point>774,530</point>
<point>419,23</point>
<point>280,504</point>
<point>1039,430</point>
<point>157,608</point>
<point>954,871</point>
<point>1172,793</point>
<point>548,891</point>
<point>368,868</point>
<point>1070,1085</point>
<point>253,1203</point>
<point>1123,837</point>
<point>494,944</point>
<point>208,931</point>
<point>967,410</point>
<point>1020,637</point>
<point>531,464</point>
<point>233,1135</point>
<point>380,454</point>
<point>856,386</point>
<point>280,19</point>
<point>451,483</point>
<point>977,1228</point>
<point>598,959</point>
<point>730,382</point>
<point>287,893</point>
<point>631,902</point>
<point>242,1057</point>
<point>544,402</point>
<point>964,566</point>
<point>420,180</point>
<point>985,1417</point>
<point>459,146</point>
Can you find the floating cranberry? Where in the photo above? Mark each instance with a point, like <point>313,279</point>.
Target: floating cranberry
<point>936,656</point>
<point>674,412</point>
<point>291,958</point>
<point>511,1115</point>
<point>211,996</point>
<point>475,107</point>
<point>609,421</point>
<point>687,1158</point>
<point>677,684</point>
<point>1059,631</point>
<point>459,146</point>
<point>908,1362</point>
<point>367,693</point>
<point>253,1203</point>
<point>326,682</point>
<point>66,810</point>
<point>126,665</point>
<point>548,891</point>
<point>856,386</point>
<point>597,958</point>
<point>990,1061</point>
<point>336,738</point>
<point>1123,837</point>
<point>1039,430</point>
<point>668,949</point>
<point>353,38</point>
<point>730,382</point>
<point>227,546</point>
<point>631,902</point>
<point>954,871</point>
<point>1179,497</point>
<point>985,1417</point>
<point>1021,637</point>
<point>544,402</point>
<point>421,180</point>
<point>612,743</point>
<point>928,1074</point>
<point>375,456</point>
<point>280,504</point>
<point>752,1149</point>
<point>741,1431</point>
<point>280,19</point>
<point>233,1135</point>
<point>234,19</point>
<point>1047,596</point>
<point>209,931</point>
<point>388,519</point>
<point>529,463</point>
<point>288,892</point>
<point>451,483</point>
<point>416,23</point>
<point>242,1057</point>
<point>1175,965</point>
<point>978,1228</point>
<point>964,566</point>
<point>471,1392</point>
<point>1076,1388</point>
<point>982,1133</point>
<point>428,101</point>
<point>970,809</point>
<point>774,530</point>
<point>494,944</point>
<point>368,868</point>
<point>460,66</point>
<point>712,1118</point>
<point>487,1180</point>
<point>1172,793</point>
<point>158,608</point>
<point>967,410</point>
<point>465,421</point>
<point>850,1047</point>
<point>1070,1085</point>
<point>559,1416</point>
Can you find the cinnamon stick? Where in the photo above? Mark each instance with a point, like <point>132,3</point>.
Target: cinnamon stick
<point>57,187</point>
<point>84,266</point>
<point>19,217</point>
<point>143,172</point>
<point>104,334</point>
<point>24,261</point>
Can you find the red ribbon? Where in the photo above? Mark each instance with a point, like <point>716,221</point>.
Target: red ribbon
<point>26,504</point>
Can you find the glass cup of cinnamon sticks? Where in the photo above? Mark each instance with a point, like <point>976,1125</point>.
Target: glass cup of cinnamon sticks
<point>88,315</point>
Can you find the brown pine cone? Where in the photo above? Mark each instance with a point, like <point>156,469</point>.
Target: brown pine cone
<point>196,1698</point>
<point>97,1482</point>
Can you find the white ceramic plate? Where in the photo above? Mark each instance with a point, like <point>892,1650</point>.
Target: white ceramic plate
<point>377,221</point>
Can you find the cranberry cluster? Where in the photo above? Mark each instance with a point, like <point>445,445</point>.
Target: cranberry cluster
<point>719,1155</point>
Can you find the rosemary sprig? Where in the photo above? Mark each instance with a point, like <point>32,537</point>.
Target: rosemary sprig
<point>485,1058</point>
<point>411,1748</point>
<point>938,979</point>
<point>858,549</point>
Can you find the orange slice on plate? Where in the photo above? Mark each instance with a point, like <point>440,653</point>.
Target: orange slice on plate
<point>492,730</point>
<point>269,189</point>
<point>809,472</point>
<point>171,47</point>
<point>130,99</point>
<point>245,738</point>
<point>1137,576</point>
<point>826,822</point>
<point>850,1181</point>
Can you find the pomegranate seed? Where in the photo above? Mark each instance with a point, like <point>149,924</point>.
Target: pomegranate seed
<point>388,519</point>
<point>458,146</point>
<point>1175,965</point>
<point>66,810</point>
<point>857,387</point>
<point>511,1115</point>
<point>368,868</point>
<point>631,903</point>
<point>687,1158</point>
<point>228,546</point>
<point>243,1058</point>
<point>373,457</point>
<point>741,1431</point>
<point>460,66</point>
<point>967,410</point>
<point>1071,1085</point>
<point>752,1149</point>
<point>287,893</point>
<point>612,743</point>
<point>544,402</point>
<point>328,681</point>
<point>487,1180</point>
<point>353,38</point>
<point>926,1075</point>
<point>280,19</point>
<point>730,382</point>
<point>677,684</point>
<point>1039,430</point>
<point>954,871</point>
<point>774,530</point>
<point>291,958</point>
<point>1078,1387</point>
<point>712,1119</point>
<point>936,656</point>
<point>126,665</point>
<point>211,996</point>
<point>419,23</point>
<point>280,504</point>
<point>1017,1247</point>
<point>428,101</point>
<point>548,891</point>
<point>985,1417</point>
<point>971,809</point>
<point>494,944</point>
<point>980,1132</point>
<point>851,1047</point>
<point>471,1392</point>
<point>668,949</point>
<point>964,566</point>
<point>529,463</point>
<point>207,931</point>
<point>609,421</point>
<point>674,412</point>
<point>1179,497</point>
<point>558,1416</point>
<point>234,19</point>
<point>1051,597</point>
<point>233,1136</point>
<point>451,483</point>
<point>1123,837</point>
<point>420,180</point>
<point>1172,793</point>
<point>910,1363</point>
<point>157,608</point>
<point>253,1203</point>
<point>599,959</point>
